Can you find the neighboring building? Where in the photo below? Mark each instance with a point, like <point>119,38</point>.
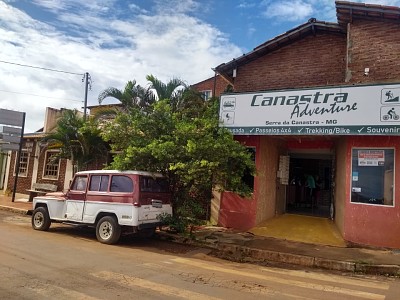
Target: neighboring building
<point>213,86</point>
<point>321,100</point>
<point>36,165</point>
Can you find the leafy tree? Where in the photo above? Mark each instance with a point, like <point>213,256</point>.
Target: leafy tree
<point>77,140</point>
<point>187,145</point>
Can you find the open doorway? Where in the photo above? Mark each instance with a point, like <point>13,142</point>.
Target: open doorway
<point>310,184</point>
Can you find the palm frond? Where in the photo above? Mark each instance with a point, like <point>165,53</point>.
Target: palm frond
<point>110,92</point>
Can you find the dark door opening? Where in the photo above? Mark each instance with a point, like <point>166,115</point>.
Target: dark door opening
<point>310,185</point>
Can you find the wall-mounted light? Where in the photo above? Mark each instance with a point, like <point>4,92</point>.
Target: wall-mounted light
<point>366,71</point>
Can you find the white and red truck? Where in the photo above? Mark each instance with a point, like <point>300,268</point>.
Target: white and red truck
<point>111,201</point>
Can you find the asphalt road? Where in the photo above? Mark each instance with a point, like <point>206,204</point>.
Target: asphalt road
<point>69,263</point>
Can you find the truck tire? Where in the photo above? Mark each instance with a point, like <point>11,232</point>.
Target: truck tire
<point>41,219</point>
<point>108,230</point>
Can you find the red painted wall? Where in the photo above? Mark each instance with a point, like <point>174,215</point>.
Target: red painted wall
<point>376,225</point>
<point>235,211</point>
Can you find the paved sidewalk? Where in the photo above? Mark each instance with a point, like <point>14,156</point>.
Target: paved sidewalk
<point>248,247</point>
<point>20,204</point>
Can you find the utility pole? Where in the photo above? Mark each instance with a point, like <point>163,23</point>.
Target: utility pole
<point>18,159</point>
<point>88,85</point>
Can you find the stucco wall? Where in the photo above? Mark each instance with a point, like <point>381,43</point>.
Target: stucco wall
<point>341,187</point>
<point>267,166</point>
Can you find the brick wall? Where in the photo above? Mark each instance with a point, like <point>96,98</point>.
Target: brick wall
<point>313,61</point>
<point>208,84</point>
<point>24,183</point>
<point>374,45</point>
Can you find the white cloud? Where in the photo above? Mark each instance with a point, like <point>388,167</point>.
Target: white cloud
<point>112,49</point>
<point>288,10</point>
<point>301,10</point>
<point>176,6</point>
<point>246,4</point>
<point>382,2</point>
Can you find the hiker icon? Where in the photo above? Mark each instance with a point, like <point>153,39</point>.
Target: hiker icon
<point>391,115</point>
<point>389,95</point>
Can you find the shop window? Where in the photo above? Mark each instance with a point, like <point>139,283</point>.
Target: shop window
<point>122,184</point>
<point>372,176</point>
<point>52,165</point>
<point>99,183</point>
<point>23,164</point>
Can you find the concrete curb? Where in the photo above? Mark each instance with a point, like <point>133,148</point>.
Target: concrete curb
<point>20,211</point>
<point>260,255</point>
<point>253,255</point>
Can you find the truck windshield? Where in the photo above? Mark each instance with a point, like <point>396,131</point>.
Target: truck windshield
<point>79,183</point>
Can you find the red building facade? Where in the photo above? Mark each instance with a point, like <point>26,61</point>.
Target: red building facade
<point>337,155</point>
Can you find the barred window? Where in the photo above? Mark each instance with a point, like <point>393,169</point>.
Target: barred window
<point>23,164</point>
<point>206,95</point>
<point>52,165</point>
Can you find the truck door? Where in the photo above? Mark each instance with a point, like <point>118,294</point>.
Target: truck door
<point>154,198</point>
<point>76,198</point>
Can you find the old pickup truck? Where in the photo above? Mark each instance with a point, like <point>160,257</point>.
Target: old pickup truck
<point>111,201</point>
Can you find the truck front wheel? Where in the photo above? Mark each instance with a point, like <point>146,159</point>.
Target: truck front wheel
<point>108,230</point>
<point>41,219</point>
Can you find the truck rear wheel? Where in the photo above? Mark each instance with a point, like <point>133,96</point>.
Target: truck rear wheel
<point>41,219</point>
<point>108,230</point>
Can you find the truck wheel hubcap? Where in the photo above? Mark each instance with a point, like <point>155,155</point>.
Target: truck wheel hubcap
<point>105,230</point>
<point>38,219</point>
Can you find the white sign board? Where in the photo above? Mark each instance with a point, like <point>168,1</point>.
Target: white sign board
<point>11,117</point>
<point>10,130</point>
<point>9,147</point>
<point>361,110</point>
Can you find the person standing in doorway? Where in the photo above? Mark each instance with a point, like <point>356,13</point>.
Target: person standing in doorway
<point>310,185</point>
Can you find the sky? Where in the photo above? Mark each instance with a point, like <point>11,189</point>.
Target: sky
<point>48,45</point>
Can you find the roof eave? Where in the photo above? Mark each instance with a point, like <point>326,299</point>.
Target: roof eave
<point>310,27</point>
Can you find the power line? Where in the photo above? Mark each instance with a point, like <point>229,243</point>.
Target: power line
<point>41,68</point>
<point>40,96</point>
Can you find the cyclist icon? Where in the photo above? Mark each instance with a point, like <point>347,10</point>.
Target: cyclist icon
<point>391,114</point>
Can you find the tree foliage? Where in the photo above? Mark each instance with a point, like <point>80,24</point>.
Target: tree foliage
<point>185,143</point>
<point>77,140</point>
